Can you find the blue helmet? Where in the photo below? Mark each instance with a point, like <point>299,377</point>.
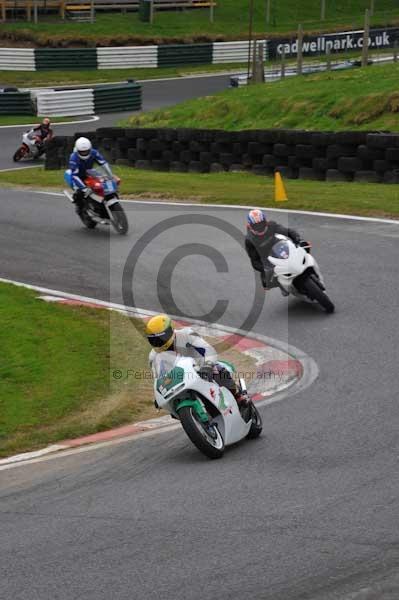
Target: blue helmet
<point>257,222</point>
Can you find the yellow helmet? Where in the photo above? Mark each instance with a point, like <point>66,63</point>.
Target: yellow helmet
<point>160,332</point>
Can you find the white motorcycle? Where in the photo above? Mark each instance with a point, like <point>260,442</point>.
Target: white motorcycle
<point>209,413</point>
<point>298,273</point>
<point>29,149</point>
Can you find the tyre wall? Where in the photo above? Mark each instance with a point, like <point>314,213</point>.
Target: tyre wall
<point>345,156</point>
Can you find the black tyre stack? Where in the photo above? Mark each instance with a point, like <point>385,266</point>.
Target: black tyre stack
<point>346,156</point>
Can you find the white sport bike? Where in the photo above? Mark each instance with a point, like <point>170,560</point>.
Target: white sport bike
<point>298,273</point>
<point>208,413</point>
<point>30,147</point>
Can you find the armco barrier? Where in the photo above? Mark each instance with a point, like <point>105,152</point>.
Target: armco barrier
<point>185,54</point>
<point>17,59</point>
<point>346,156</point>
<point>16,103</point>
<point>118,97</point>
<point>127,57</point>
<point>65,58</point>
<point>232,52</point>
<point>65,103</point>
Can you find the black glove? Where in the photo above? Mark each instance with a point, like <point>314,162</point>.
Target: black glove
<point>266,277</point>
<point>206,372</point>
<point>306,245</point>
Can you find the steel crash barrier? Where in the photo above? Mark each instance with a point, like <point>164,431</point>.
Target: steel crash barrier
<point>72,102</point>
<point>54,103</point>
<point>15,103</point>
<point>17,59</point>
<point>124,57</point>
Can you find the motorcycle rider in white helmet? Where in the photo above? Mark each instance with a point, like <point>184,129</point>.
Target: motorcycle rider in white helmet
<point>82,159</point>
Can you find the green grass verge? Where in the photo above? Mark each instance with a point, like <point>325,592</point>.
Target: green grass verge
<point>236,188</point>
<point>49,78</point>
<point>231,21</point>
<point>55,377</point>
<point>366,99</point>
<point>57,380</point>
<point>32,119</point>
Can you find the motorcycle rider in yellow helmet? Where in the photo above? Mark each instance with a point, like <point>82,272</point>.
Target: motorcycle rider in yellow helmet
<point>163,337</point>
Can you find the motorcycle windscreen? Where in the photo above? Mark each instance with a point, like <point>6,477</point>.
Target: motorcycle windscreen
<point>280,250</point>
<point>164,362</point>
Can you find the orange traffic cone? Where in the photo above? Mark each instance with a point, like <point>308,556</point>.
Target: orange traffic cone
<point>280,195</point>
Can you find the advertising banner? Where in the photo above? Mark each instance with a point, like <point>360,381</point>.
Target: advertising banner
<point>333,42</point>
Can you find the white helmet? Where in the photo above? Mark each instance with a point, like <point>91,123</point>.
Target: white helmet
<point>83,147</point>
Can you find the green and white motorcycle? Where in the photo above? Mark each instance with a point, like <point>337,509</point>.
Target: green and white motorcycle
<point>209,413</point>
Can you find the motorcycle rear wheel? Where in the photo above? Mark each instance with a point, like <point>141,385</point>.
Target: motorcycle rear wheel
<point>212,448</point>
<point>119,219</point>
<point>314,292</point>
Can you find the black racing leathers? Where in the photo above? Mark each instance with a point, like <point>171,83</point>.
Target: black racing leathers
<point>259,247</point>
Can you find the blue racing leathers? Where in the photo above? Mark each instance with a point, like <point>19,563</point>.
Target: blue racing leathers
<point>78,167</point>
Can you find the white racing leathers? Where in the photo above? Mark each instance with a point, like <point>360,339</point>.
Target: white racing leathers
<point>189,343</point>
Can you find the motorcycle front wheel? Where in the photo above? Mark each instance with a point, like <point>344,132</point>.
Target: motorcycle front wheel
<point>314,292</point>
<point>20,153</point>
<point>87,220</point>
<point>212,447</point>
<point>256,424</point>
<point>119,219</point>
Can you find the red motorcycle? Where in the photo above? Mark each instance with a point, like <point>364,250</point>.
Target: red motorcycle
<point>102,204</point>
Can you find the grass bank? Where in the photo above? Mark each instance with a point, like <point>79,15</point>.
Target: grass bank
<point>55,373</point>
<point>32,119</point>
<point>50,78</point>
<point>56,377</point>
<point>231,22</point>
<point>236,188</point>
<point>366,99</point>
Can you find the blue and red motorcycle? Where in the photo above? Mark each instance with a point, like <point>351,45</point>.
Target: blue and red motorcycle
<point>102,204</point>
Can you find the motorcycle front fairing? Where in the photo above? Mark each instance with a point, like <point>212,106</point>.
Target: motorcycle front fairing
<point>108,197</point>
<point>177,384</point>
<point>290,261</point>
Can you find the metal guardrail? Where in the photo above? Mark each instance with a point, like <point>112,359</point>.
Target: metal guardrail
<point>16,103</point>
<point>231,52</point>
<point>86,101</point>
<point>17,59</point>
<point>65,103</point>
<point>118,97</point>
<point>128,56</point>
<point>184,54</point>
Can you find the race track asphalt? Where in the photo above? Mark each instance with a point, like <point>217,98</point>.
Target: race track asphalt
<point>309,511</point>
<point>156,94</point>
